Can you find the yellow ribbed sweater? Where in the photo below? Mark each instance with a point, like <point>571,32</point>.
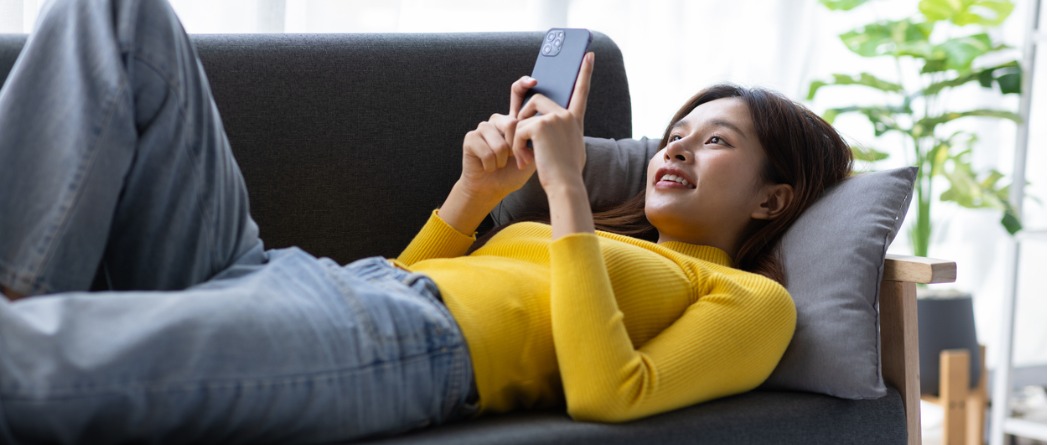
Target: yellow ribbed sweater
<point>617,328</point>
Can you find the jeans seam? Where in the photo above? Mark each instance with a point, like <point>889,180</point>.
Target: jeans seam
<point>210,221</point>
<point>456,391</point>
<point>14,277</point>
<point>345,292</point>
<point>454,394</point>
<point>45,252</point>
<point>453,351</point>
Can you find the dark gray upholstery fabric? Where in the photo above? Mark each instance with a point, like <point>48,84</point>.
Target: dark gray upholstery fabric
<point>757,417</point>
<point>347,142</point>
<point>332,130</point>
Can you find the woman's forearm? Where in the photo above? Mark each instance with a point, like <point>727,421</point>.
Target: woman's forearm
<point>570,208</point>
<point>465,211</point>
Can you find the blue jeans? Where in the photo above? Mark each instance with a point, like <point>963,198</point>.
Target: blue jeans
<point>115,173</point>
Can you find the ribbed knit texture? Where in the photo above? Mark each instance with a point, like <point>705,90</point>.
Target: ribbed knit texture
<point>617,328</point>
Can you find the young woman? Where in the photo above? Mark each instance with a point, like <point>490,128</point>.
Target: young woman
<point>117,176</point>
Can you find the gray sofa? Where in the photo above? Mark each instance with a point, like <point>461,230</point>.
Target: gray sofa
<point>347,142</point>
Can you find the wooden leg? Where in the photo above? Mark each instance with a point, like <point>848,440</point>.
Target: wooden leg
<point>964,408</point>
<point>955,389</point>
<point>976,406</point>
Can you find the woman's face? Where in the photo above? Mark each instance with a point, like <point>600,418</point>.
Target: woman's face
<point>705,186</point>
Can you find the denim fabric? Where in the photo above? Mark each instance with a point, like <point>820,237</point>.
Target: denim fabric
<point>114,165</point>
<point>113,159</point>
<point>296,350</point>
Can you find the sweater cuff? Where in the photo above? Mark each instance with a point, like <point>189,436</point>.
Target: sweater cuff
<point>569,244</point>
<point>437,239</point>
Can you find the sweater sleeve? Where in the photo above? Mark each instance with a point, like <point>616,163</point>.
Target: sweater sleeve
<point>728,342</point>
<point>436,239</point>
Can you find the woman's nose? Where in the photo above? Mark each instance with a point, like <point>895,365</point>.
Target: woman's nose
<point>675,150</point>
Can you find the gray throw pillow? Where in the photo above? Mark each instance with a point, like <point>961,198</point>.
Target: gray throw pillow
<point>832,258</point>
<point>615,171</point>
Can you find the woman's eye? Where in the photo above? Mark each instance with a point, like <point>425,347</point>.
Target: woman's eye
<point>717,140</point>
<point>674,137</point>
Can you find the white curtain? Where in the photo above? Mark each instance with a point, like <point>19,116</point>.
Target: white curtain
<point>672,48</point>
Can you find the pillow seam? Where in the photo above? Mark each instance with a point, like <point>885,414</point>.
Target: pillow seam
<point>886,241</point>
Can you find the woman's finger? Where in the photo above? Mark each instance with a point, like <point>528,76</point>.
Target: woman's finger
<point>523,154</point>
<point>474,145</point>
<point>506,125</point>
<point>518,89</point>
<point>539,104</point>
<point>578,104</point>
<point>497,145</point>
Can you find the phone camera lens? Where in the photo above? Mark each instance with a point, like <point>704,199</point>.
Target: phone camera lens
<point>551,36</point>
<point>557,43</point>
<point>547,48</point>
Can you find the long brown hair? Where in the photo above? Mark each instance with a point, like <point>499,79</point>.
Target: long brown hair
<point>802,150</point>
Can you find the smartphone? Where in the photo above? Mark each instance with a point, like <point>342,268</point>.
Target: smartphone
<point>558,64</point>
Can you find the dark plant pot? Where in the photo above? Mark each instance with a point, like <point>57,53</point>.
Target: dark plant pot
<point>945,322</point>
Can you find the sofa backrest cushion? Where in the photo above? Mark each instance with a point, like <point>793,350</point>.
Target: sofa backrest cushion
<point>348,141</point>
<point>833,258</point>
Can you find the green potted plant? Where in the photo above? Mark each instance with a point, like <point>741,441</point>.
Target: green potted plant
<point>943,46</point>
<point>939,49</point>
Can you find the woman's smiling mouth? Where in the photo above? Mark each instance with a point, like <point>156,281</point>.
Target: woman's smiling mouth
<point>668,177</point>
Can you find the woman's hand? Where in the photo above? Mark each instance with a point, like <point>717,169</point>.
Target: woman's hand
<point>556,133</point>
<point>558,153</point>
<point>489,172</point>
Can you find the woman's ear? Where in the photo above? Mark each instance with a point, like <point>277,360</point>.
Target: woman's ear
<point>777,199</point>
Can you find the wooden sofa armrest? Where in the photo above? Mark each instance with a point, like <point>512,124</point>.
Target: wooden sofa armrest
<point>899,327</point>
<point>914,269</point>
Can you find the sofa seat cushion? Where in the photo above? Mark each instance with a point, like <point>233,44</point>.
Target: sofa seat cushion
<point>758,417</point>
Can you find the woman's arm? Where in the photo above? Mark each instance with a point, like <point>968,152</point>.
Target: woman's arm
<point>488,175</point>
<point>486,178</point>
<point>726,343</point>
<point>559,154</point>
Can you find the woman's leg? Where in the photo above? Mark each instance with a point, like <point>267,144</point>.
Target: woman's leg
<point>298,350</point>
<point>113,160</point>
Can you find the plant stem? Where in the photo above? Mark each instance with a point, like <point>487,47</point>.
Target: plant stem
<point>920,233</point>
